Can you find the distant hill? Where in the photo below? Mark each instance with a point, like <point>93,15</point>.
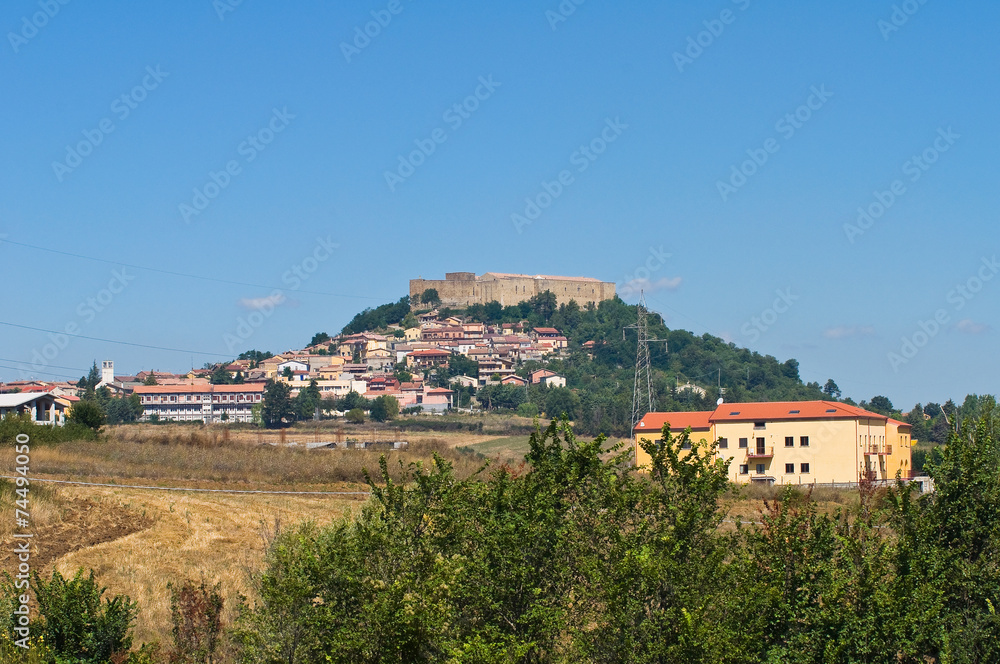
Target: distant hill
<point>602,376</point>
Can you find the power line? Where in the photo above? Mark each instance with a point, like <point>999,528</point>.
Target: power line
<point>182,274</point>
<point>113,341</point>
<point>52,366</point>
<point>46,373</point>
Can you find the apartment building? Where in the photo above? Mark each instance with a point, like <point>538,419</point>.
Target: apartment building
<point>793,442</point>
<point>206,403</point>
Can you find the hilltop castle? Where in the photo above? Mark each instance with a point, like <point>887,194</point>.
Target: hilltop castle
<point>460,289</point>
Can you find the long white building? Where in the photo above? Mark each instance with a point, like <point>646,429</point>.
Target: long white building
<point>206,403</point>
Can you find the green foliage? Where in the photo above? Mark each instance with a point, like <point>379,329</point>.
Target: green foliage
<point>500,397</point>
<point>77,625</point>
<point>351,401</point>
<point>307,401</point>
<point>13,425</point>
<point>88,414</point>
<point>379,317</point>
<point>384,408</point>
<point>355,416</point>
<point>319,338</point>
<point>578,558</point>
<point>196,615</point>
<point>220,376</point>
<point>562,402</point>
<point>430,296</point>
<point>149,380</point>
<point>125,410</point>
<point>278,409</point>
<point>527,410</point>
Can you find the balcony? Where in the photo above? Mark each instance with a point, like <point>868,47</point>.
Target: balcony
<point>879,450</point>
<point>760,452</point>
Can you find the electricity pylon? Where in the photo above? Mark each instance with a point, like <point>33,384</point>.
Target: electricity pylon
<point>642,392</point>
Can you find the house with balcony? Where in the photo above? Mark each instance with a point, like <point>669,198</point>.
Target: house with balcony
<point>794,442</point>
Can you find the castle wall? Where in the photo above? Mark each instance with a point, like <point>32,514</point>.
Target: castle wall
<point>459,290</point>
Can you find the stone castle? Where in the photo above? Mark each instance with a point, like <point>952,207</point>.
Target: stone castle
<point>460,289</point>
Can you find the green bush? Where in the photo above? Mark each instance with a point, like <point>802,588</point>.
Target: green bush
<point>77,625</point>
<point>89,414</point>
<point>13,425</point>
<point>355,416</point>
<point>196,614</point>
<point>527,410</point>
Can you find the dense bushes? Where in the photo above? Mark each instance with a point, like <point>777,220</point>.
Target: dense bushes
<point>579,559</point>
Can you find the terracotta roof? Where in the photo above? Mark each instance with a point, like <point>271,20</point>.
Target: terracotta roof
<point>546,330</point>
<point>440,390</point>
<point>697,420</point>
<point>429,353</point>
<point>899,424</point>
<point>790,410</point>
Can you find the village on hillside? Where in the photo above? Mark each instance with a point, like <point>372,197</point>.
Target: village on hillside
<point>396,363</point>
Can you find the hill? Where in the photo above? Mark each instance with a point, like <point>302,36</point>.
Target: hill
<point>601,376</point>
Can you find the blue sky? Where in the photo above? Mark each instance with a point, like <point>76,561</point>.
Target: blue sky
<point>308,128</point>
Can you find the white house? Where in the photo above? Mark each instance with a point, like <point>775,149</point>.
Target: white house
<point>42,406</point>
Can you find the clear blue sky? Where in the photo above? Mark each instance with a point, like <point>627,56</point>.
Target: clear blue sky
<point>880,96</point>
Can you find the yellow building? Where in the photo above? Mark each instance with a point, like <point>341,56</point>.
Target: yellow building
<point>794,442</point>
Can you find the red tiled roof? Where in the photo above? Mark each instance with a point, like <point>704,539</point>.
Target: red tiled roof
<point>546,330</point>
<point>654,422</point>
<point>790,410</point>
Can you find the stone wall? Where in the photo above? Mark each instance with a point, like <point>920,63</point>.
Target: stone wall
<point>460,289</point>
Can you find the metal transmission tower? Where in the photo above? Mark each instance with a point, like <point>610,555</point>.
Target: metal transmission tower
<point>642,393</point>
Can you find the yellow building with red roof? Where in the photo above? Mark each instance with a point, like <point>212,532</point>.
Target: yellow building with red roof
<point>793,442</point>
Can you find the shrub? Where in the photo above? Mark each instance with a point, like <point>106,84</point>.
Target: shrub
<point>89,414</point>
<point>77,625</point>
<point>355,416</point>
<point>196,613</point>
<point>527,410</point>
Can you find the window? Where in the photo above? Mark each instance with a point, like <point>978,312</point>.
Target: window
<point>789,441</point>
<point>804,441</point>
<point>723,444</point>
<point>760,469</point>
<point>803,467</point>
<point>743,442</point>
<point>744,469</point>
<point>758,425</point>
<point>686,445</point>
<point>789,467</point>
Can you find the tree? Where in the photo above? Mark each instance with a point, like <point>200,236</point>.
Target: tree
<point>355,416</point>
<point>308,401</point>
<point>881,405</point>
<point>384,408</point>
<point>277,410</point>
<point>430,296</point>
<point>562,402</point>
<point>318,338</point>
<point>150,379</point>
<point>87,413</point>
<point>831,390</point>
<point>220,376</point>
<point>353,400</point>
<point>125,410</point>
